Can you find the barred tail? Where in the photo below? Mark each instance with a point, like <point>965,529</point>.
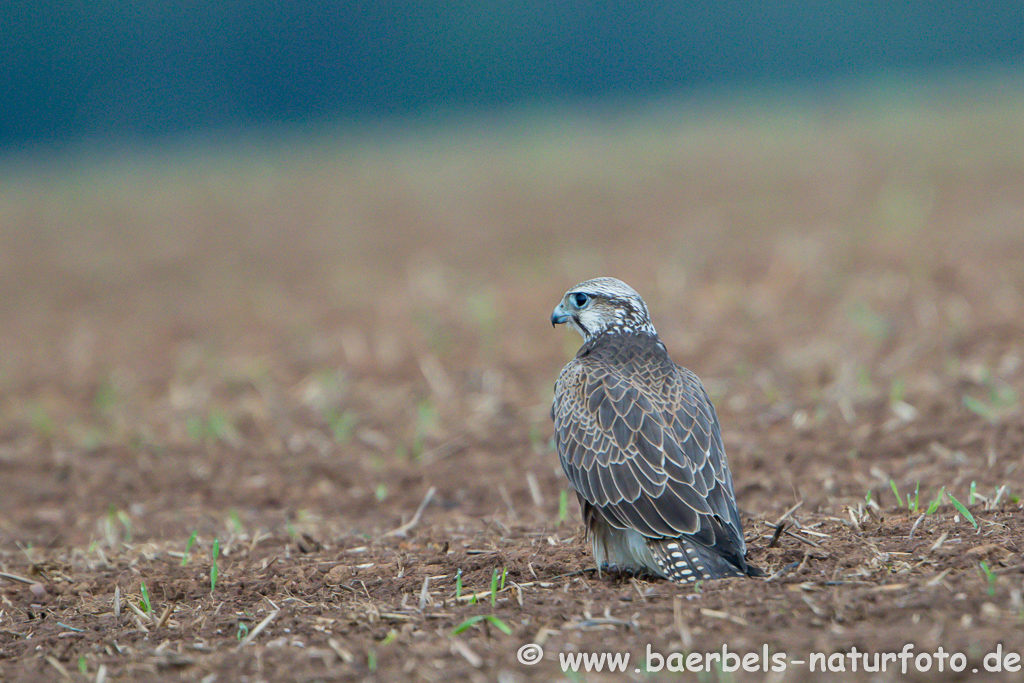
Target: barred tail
<point>684,561</point>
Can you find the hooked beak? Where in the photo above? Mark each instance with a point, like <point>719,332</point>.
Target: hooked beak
<point>559,316</point>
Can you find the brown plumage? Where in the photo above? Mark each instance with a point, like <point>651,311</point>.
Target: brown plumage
<point>639,440</point>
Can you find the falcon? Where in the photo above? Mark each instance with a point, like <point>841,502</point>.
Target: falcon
<point>639,440</point>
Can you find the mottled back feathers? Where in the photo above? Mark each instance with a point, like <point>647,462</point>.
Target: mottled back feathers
<point>639,440</point>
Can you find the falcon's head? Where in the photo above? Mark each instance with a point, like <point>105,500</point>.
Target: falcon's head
<point>601,305</point>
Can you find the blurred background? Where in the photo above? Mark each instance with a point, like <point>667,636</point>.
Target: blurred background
<point>109,72</point>
<point>173,171</point>
<point>267,175</point>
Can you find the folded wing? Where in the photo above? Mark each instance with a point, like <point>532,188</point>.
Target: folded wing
<point>644,447</point>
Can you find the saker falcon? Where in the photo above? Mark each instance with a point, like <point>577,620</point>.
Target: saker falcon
<point>640,443</point>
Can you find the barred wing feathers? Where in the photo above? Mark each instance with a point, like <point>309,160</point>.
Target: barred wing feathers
<point>639,440</point>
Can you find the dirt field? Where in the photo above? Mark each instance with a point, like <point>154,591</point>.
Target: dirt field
<point>283,350</point>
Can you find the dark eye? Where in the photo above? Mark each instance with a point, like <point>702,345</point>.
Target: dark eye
<point>580,299</point>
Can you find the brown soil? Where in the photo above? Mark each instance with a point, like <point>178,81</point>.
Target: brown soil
<point>284,351</point>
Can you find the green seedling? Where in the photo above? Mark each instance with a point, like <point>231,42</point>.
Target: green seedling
<point>896,492</point>
<point>41,422</point>
<point>105,397</point>
<point>934,505</point>
<point>991,577</point>
<point>220,426</point>
<point>88,438</point>
<point>145,604</point>
<point>126,522</point>
<point>426,422</point>
<point>83,666</point>
<point>962,509</point>
<point>188,548</point>
<point>213,567</point>
<point>563,506</point>
<point>381,492</point>
<point>216,426</point>
<point>114,517</point>
<point>494,587</point>
<point>243,631</point>
<point>236,521</point>
<point>536,436</point>
<point>972,493</point>
<point>1003,396</point>
<point>469,623</point>
<point>458,584</point>
<point>979,408</point>
<point>341,425</point>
